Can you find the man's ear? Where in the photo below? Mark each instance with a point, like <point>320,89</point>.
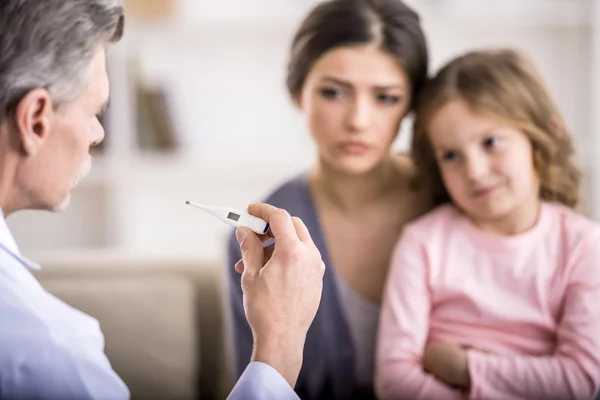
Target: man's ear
<point>32,119</point>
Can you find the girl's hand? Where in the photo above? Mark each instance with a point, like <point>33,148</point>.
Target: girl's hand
<point>447,362</point>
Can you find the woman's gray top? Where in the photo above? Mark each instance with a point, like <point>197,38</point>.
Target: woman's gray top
<point>362,316</point>
<point>335,363</point>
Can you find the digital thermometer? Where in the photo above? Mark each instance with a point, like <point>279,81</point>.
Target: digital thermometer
<point>234,217</point>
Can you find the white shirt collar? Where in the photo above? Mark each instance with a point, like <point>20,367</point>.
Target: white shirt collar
<point>7,242</point>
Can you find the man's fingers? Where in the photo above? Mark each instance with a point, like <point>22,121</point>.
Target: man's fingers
<point>239,266</point>
<point>267,253</point>
<point>252,250</point>
<point>302,230</point>
<point>280,221</point>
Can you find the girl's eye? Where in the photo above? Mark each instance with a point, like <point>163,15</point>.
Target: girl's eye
<point>491,142</point>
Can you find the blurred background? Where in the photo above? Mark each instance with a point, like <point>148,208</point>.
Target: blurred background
<point>199,111</point>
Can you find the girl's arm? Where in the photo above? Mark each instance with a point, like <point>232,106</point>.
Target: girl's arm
<point>404,327</point>
<point>573,371</point>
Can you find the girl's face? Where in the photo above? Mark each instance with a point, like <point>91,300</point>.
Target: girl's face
<point>354,99</point>
<point>487,167</point>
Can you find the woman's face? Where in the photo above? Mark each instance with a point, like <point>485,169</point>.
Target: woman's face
<point>354,99</point>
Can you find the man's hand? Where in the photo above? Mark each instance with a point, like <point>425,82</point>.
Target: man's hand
<point>282,287</point>
<point>448,363</point>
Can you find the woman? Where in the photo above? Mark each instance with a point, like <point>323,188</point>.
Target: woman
<point>355,69</point>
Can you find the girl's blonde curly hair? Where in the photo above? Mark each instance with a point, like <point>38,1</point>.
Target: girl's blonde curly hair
<point>504,85</point>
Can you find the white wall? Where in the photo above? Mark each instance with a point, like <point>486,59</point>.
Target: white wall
<point>242,134</point>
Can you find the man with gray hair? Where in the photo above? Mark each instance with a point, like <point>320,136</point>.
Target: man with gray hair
<point>53,85</point>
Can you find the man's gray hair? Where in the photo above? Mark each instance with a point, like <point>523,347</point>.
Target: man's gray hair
<point>50,44</point>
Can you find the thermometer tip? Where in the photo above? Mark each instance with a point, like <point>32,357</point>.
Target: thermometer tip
<point>187,202</point>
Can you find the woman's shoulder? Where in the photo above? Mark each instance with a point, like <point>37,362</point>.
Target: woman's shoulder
<point>292,195</point>
<point>289,187</point>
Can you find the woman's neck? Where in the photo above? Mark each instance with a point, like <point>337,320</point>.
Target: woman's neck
<point>350,192</point>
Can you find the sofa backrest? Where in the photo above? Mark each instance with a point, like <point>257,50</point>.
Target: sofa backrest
<point>161,316</point>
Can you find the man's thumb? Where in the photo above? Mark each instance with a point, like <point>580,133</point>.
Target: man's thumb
<point>252,250</point>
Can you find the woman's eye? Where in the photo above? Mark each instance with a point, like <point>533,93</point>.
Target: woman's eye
<point>450,156</point>
<point>331,93</point>
<point>388,99</point>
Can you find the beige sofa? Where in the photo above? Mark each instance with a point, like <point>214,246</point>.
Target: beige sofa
<point>161,316</point>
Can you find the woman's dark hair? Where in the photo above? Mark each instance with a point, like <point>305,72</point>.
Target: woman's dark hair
<point>390,24</point>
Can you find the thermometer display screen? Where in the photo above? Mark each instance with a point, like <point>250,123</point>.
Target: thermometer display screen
<point>233,216</point>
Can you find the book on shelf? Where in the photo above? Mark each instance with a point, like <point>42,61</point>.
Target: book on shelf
<point>155,128</point>
<point>155,123</point>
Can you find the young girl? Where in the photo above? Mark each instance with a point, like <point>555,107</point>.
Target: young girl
<point>496,293</point>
